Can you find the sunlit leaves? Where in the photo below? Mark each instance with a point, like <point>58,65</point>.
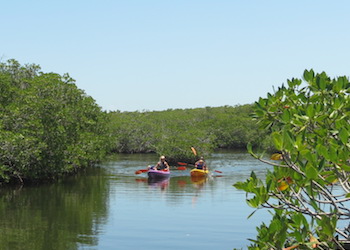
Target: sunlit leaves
<point>344,135</point>
<point>254,185</point>
<point>308,75</point>
<point>48,127</point>
<point>309,125</point>
<point>311,172</point>
<point>173,132</point>
<point>322,150</point>
<point>277,140</point>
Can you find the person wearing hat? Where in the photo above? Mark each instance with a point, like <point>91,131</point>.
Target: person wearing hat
<point>200,164</point>
<point>162,164</point>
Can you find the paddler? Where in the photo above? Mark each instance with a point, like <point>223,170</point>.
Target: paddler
<point>162,164</point>
<point>200,164</point>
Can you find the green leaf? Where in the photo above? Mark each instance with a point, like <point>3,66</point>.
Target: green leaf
<point>253,175</point>
<point>297,219</point>
<point>241,186</point>
<point>286,116</point>
<point>331,179</point>
<point>306,153</point>
<point>322,150</point>
<point>344,135</point>
<point>337,103</point>
<point>254,202</point>
<point>308,75</point>
<point>275,225</point>
<point>321,82</point>
<point>310,111</point>
<point>288,142</point>
<point>333,155</point>
<point>277,140</point>
<point>249,148</point>
<point>339,84</point>
<point>297,176</point>
<point>345,167</point>
<point>252,213</point>
<point>311,172</point>
<point>333,114</point>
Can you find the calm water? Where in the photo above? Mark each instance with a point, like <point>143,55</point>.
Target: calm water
<point>112,208</point>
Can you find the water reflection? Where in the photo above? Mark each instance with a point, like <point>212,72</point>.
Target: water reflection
<point>104,208</point>
<point>161,183</point>
<point>199,181</point>
<point>54,216</point>
<point>177,183</point>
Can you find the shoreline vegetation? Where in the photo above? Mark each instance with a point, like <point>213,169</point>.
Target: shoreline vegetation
<point>49,128</point>
<point>174,131</point>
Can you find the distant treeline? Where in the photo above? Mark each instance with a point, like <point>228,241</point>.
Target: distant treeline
<point>49,127</point>
<point>174,132</point>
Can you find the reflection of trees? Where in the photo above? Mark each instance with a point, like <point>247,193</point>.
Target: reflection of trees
<point>55,216</point>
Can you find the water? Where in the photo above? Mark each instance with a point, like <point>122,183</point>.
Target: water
<point>112,208</point>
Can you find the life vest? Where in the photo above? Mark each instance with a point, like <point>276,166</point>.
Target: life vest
<point>200,166</point>
<point>161,165</point>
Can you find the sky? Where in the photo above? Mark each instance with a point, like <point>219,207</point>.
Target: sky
<point>145,55</point>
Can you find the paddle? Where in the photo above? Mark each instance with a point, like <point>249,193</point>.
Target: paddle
<point>187,164</point>
<point>194,151</point>
<point>140,171</point>
<point>184,164</point>
<point>181,168</point>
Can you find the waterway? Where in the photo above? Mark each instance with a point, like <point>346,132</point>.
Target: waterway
<point>110,207</point>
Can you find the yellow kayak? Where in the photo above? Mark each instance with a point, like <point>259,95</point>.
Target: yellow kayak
<point>199,172</point>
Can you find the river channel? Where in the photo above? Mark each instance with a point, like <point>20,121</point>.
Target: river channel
<point>110,207</point>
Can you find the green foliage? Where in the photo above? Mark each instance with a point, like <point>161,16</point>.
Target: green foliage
<point>174,132</point>
<point>309,125</point>
<point>48,127</point>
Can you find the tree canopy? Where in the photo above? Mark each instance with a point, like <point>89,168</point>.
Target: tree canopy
<point>308,189</point>
<point>174,132</point>
<point>48,127</point>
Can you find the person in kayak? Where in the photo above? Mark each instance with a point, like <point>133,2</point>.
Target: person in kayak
<point>162,164</point>
<point>200,164</point>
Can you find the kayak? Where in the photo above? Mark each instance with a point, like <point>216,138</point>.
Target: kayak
<point>199,172</point>
<point>153,173</point>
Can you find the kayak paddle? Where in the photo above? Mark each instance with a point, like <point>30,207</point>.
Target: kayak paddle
<point>194,151</point>
<point>184,164</point>
<point>181,168</point>
<point>187,164</point>
<point>141,171</point>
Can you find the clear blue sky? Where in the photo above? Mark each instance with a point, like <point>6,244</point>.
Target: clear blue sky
<point>158,54</point>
